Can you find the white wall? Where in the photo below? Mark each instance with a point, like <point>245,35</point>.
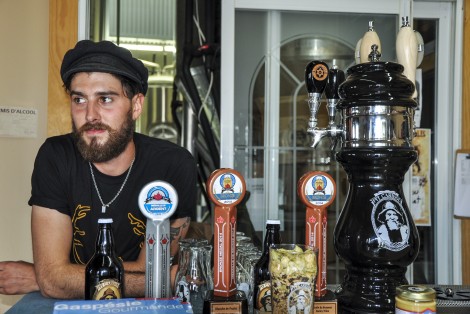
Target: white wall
<point>24,38</point>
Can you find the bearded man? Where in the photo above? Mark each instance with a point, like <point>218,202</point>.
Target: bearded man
<point>392,229</point>
<point>98,171</point>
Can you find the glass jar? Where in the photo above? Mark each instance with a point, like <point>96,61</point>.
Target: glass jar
<point>194,276</point>
<point>415,299</point>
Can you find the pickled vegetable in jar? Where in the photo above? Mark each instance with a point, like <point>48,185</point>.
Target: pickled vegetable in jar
<point>415,299</point>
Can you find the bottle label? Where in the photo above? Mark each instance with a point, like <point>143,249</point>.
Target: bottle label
<point>300,299</point>
<point>263,301</point>
<point>107,289</point>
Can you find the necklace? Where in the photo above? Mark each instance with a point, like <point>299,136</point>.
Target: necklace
<point>103,205</point>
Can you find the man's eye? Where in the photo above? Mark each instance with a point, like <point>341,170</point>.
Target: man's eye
<point>78,100</point>
<point>106,99</point>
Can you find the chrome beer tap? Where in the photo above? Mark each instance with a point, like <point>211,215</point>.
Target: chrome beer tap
<point>316,75</point>
<point>335,78</point>
<point>327,80</point>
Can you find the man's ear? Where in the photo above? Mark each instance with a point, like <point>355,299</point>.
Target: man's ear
<point>137,105</point>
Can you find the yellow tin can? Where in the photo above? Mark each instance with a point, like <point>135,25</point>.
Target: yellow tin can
<point>415,299</point>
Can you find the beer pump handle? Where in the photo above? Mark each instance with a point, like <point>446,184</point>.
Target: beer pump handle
<point>157,201</point>
<point>316,74</point>
<point>226,188</point>
<point>407,51</point>
<point>420,40</point>
<point>317,190</point>
<point>335,78</point>
<point>370,38</point>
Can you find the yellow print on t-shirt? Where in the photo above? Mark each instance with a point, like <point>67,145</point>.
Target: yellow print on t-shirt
<point>80,212</point>
<point>138,227</point>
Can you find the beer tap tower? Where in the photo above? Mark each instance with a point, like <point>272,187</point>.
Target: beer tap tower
<point>375,234</point>
<point>158,201</point>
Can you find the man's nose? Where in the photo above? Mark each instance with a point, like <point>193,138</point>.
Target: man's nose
<point>92,113</point>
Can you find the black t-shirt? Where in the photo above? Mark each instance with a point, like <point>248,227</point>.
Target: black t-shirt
<point>61,180</point>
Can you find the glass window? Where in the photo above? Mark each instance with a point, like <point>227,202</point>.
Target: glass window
<point>271,52</point>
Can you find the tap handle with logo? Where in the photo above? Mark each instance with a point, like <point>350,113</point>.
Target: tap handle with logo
<point>158,200</point>
<point>226,189</point>
<point>317,190</point>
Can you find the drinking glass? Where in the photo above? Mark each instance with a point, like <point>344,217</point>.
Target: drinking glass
<point>293,270</point>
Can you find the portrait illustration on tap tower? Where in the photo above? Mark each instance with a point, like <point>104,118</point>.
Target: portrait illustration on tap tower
<point>390,223</point>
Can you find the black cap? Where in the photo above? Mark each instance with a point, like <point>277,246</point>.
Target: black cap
<point>104,56</point>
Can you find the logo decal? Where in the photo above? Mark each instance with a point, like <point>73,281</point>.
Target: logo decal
<point>320,72</point>
<point>319,190</point>
<point>389,220</point>
<point>229,189</point>
<point>300,299</point>
<point>158,200</point>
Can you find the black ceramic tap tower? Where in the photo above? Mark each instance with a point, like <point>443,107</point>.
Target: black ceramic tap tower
<point>375,235</point>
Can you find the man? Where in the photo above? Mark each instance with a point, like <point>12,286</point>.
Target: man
<point>392,229</point>
<point>98,171</point>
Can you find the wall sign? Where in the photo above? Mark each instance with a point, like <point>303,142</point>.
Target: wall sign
<point>18,122</point>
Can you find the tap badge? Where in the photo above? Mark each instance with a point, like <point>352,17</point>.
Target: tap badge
<point>229,189</point>
<point>158,200</point>
<point>389,221</point>
<point>320,72</point>
<point>319,190</point>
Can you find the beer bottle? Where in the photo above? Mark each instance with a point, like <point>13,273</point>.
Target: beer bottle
<point>261,274</point>
<point>104,273</point>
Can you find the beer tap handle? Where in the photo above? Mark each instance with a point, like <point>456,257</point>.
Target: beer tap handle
<point>316,74</point>
<point>407,51</point>
<point>357,52</point>
<point>420,40</point>
<point>370,38</point>
<point>335,78</point>
<point>157,201</point>
<point>226,189</point>
<point>317,190</point>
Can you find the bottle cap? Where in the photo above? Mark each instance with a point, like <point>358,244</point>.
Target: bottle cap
<point>273,222</point>
<point>416,292</point>
<point>105,220</point>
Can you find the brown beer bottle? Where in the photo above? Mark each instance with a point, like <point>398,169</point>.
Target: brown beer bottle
<point>261,274</point>
<point>104,273</point>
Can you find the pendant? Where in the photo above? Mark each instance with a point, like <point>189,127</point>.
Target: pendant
<point>103,209</point>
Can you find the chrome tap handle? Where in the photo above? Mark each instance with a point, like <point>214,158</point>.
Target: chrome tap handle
<point>316,74</point>
<point>335,78</point>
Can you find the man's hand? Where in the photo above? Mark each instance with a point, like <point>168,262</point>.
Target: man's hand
<point>17,278</point>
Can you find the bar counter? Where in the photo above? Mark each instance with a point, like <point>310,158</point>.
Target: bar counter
<point>35,303</point>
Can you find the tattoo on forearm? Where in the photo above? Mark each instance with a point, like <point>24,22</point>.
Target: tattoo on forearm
<point>175,232</point>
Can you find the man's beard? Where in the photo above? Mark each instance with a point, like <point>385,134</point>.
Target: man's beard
<point>393,225</point>
<point>113,147</point>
